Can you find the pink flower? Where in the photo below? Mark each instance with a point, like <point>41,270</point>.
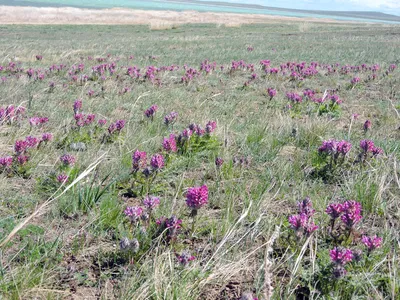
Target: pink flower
<point>31,141</point>
<point>298,221</point>
<point>344,147</point>
<point>157,161</point>
<point>372,243</point>
<point>150,112</point>
<point>185,258</point>
<point>219,161</point>
<point>151,202</point>
<point>62,178</point>
<point>170,118</point>
<point>367,125</point>
<point>169,144</point>
<point>6,161</point>
<point>77,105</point>
<point>211,126</point>
<point>196,197</point>
<point>68,159</point>
<point>46,137</point>
<point>340,256</point>
<point>133,212</point>
<point>271,92</point>
<point>22,159</point>
<point>367,145</point>
<point>139,160</point>
<point>116,127</point>
<point>334,210</point>
<point>305,207</point>
<point>20,146</point>
<point>102,122</point>
<point>351,213</point>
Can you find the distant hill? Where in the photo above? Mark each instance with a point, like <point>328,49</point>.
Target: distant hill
<point>350,14</point>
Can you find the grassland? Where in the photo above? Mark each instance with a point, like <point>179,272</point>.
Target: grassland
<point>241,240</point>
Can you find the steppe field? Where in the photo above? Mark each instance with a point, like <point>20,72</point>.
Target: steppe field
<point>200,161</point>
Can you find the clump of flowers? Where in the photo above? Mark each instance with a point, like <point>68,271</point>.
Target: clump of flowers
<point>151,111</point>
<point>197,197</point>
<point>303,223</point>
<point>151,202</point>
<point>371,242</point>
<point>171,118</point>
<point>139,160</point>
<point>368,149</point>
<point>62,178</point>
<point>169,144</point>
<point>335,150</point>
<point>11,114</point>
<point>157,162</point>
<point>171,226</point>
<point>36,121</point>
<point>68,160</point>
<point>184,258</point>
<point>340,257</point>
<point>219,162</point>
<point>133,213</point>
<point>271,93</point>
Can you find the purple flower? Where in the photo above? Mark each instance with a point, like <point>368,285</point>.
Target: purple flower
<point>68,159</point>
<point>377,151</point>
<point>372,242</point>
<point>211,126</point>
<point>173,223</point>
<point>46,137</point>
<point>139,160</point>
<point>305,207</point>
<point>355,80</point>
<point>170,118</point>
<point>219,161</point>
<point>169,144</point>
<point>367,125</point>
<point>340,256</point>
<point>22,159</point>
<point>20,146</point>
<point>77,105</point>
<point>196,197</point>
<point>62,178</point>
<point>185,258</point>
<point>150,112</point>
<point>133,212</point>
<point>116,127</point>
<point>298,222</point>
<point>6,161</point>
<point>102,122</point>
<point>367,145</point>
<point>329,146</point>
<point>151,202</point>
<point>343,147</point>
<point>157,161</point>
<point>334,210</point>
<point>31,141</point>
<point>351,213</point>
<point>271,92</point>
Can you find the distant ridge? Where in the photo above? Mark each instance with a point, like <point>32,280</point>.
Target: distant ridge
<point>351,14</point>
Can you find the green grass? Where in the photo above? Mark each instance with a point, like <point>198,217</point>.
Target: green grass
<point>72,247</point>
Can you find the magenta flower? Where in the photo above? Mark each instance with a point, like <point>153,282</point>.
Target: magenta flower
<point>6,161</point>
<point>187,133</point>
<point>298,222</point>
<point>151,202</point>
<point>31,141</point>
<point>150,112</point>
<point>355,80</point>
<point>196,197</point>
<point>170,118</point>
<point>102,122</point>
<point>328,146</point>
<point>367,145</point>
<point>68,159</point>
<point>133,212</point>
<point>185,258</point>
<point>22,159</point>
<point>351,213</point>
<point>46,137</point>
<point>139,160</point>
<point>343,147</point>
<point>219,162</point>
<point>211,126</point>
<point>367,125</point>
<point>77,106</point>
<point>20,146</point>
<point>116,127</point>
<point>334,210</point>
<point>157,161</point>
<point>62,178</point>
<point>169,144</point>
<point>372,242</point>
<point>271,92</point>
<point>305,207</point>
<point>377,151</point>
<point>173,223</point>
<point>340,256</point>
<point>35,121</point>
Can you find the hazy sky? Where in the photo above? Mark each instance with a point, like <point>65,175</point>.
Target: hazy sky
<point>387,6</point>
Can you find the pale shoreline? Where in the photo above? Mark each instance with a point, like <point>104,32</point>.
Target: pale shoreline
<point>124,16</point>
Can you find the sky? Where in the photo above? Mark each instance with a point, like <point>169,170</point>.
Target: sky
<point>386,6</point>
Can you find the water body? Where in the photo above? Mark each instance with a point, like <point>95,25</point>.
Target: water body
<point>175,6</point>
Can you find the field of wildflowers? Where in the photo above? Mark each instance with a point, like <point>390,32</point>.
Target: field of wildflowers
<point>200,162</point>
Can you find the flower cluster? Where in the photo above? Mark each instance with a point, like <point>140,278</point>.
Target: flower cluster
<point>68,160</point>
<point>271,93</point>
<point>184,258</point>
<point>133,213</point>
<point>116,127</point>
<point>139,160</point>
<point>169,144</point>
<point>157,161</point>
<point>197,197</point>
<point>368,146</point>
<point>35,121</point>
<point>170,118</point>
<point>151,111</point>
<point>371,242</point>
<point>302,222</point>
<point>151,202</point>
<point>340,257</point>
<point>349,213</point>
<point>10,114</point>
